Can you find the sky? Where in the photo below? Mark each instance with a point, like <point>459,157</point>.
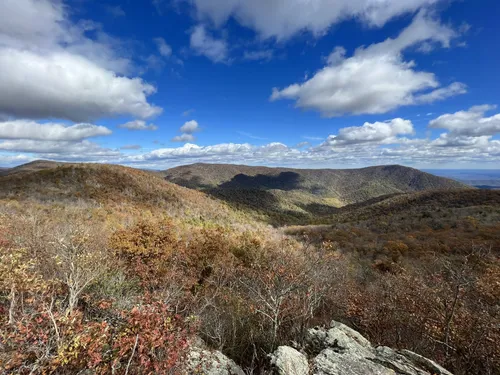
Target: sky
<point>298,83</point>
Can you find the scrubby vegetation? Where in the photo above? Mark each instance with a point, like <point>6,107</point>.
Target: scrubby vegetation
<point>129,270</point>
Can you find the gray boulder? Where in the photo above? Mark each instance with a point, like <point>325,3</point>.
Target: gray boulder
<point>343,351</point>
<point>288,361</point>
<point>210,362</point>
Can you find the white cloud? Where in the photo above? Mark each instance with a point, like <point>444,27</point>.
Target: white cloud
<point>204,44</point>
<point>190,127</point>
<point>336,56</point>
<point>284,18</point>
<point>378,132</point>
<point>187,131</point>
<point>68,86</point>
<point>58,149</point>
<point>138,125</point>
<point>454,89</point>
<point>416,152</point>
<point>164,49</point>
<point>376,79</point>
<point>54,140</point>
<point>31,22</point>
<point>23,129</point>
<point>184,138</point>
<point>471,123</point>
<point>54,69</point>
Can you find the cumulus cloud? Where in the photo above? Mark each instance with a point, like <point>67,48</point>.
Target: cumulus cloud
<point>23,129</point>
<point>229,152</point>
<point>183,138</point>
<point>204,44</point>
<point>187,131</point>
<point>284,18</point>
<point>471,123</point>
<point>376,79</point>
<point>60,149</point>
<point>54,140</point>
<point>164,49</point>
<point>138,125</point>
<point>54,69</point>
<point>44,26</point>
<point>442,93</point>
<point>27,22</point>
<point>190,127</point>
<point>378,132</point>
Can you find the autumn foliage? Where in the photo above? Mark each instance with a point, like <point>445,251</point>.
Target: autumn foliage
<point>109,292</point>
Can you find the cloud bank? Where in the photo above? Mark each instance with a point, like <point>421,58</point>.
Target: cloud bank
<point>468,139</point>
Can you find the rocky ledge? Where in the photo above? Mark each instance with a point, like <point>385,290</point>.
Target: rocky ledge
<point>337,350</point>
<point>340,350</point>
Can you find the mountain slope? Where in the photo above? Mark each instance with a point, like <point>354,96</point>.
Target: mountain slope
<point>37,165</point>
<point>436,205</point>
<point>111,186</point>
<point>298,194</point>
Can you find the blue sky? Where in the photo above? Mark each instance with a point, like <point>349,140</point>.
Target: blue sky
<point>319,83</point>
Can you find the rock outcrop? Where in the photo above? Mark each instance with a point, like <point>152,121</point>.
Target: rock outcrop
<point>288,361</point>
<point>340,350</point>
<point>203,361</point>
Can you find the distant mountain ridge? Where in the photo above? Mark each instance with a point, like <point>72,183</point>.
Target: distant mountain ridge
<point>304,192</point>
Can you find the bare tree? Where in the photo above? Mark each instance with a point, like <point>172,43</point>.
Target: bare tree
<point>79,256</point>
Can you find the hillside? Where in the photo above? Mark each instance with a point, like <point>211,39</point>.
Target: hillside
<point>122,252</point>
<point>437,222</point>
<point>111,186</point>
<point>430,204</point>
<point>37,165</point>
<point>295,195</point>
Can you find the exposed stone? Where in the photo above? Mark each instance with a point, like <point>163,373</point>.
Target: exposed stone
<point>337,350</point>
<point>340,350</point>
<point>210,362</point>
<point>288,361</point>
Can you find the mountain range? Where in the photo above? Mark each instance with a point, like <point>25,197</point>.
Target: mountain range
<point>294,195</point>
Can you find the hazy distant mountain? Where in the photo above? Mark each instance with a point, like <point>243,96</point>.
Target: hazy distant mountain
<point>481,178</point>
<point>303,192</point>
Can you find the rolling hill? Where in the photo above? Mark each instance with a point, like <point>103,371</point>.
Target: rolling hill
<point>294,195</point>
<point>37,165</point>
<point>110,186</point>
